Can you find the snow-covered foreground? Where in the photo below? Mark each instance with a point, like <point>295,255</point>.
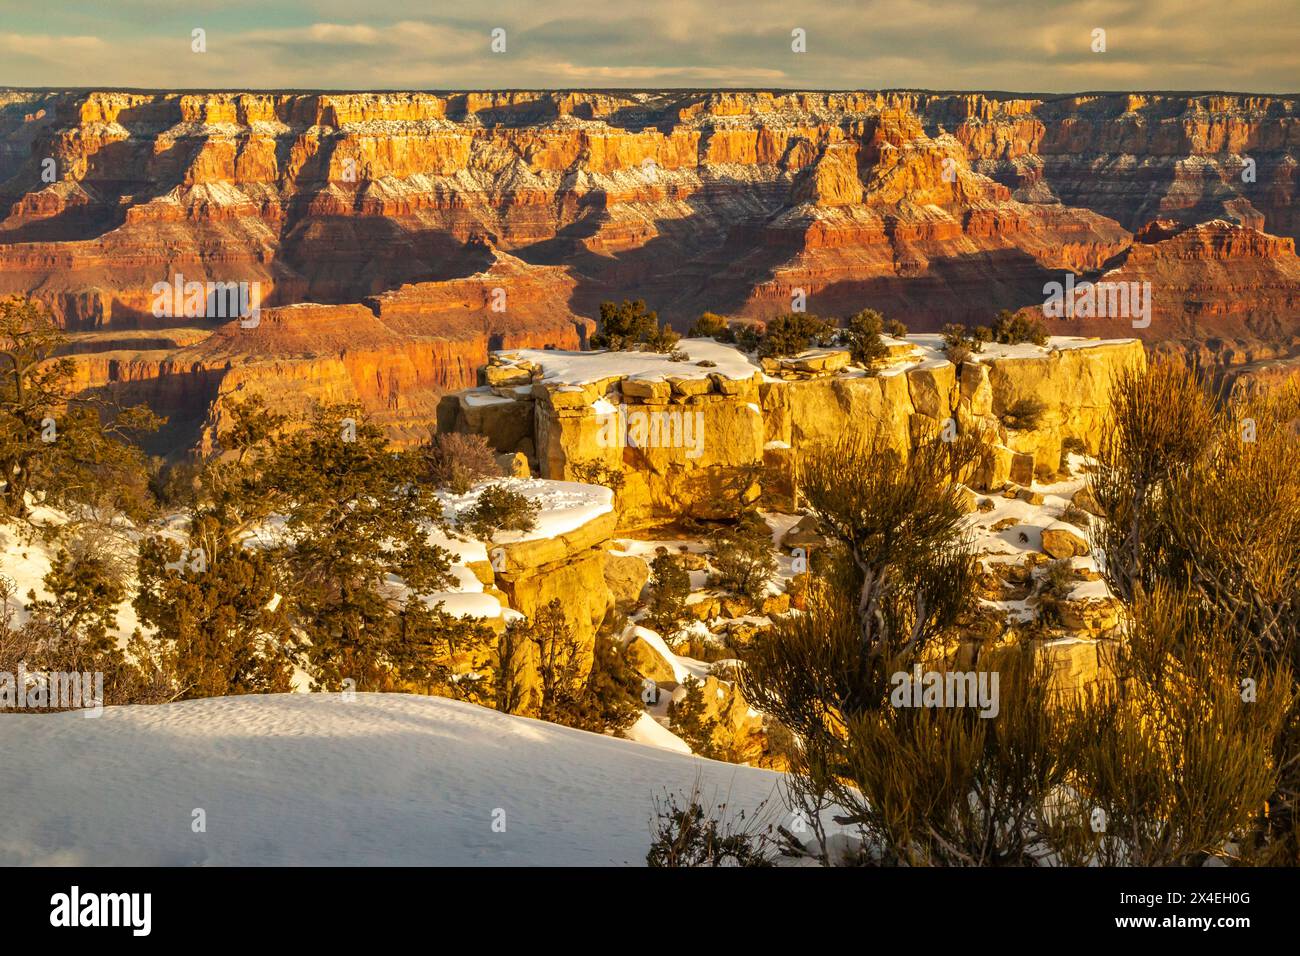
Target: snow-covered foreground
<point>314,779</point>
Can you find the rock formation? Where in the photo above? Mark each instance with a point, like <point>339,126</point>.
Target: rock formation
<point>418,207</point>
<point>713,434</point>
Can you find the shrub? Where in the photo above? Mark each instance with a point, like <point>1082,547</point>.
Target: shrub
<point>1025,414</point>
<point>792,333</point>
<point>595,472</point>
<point>685,833</point>
<point>963,339</point>
<point>896,328</point>
<point>1059,578</point>
<point>458,461</point>
<point>862,334</point>
<point>1013,328</point>
<point>1073,514</point>
<point>742,560</point>
<point>632,327</point>
<point>499,509</point>
<point>710,326</point>
<point>671,584</point>
<point>747,338</point>
<point>691,721</point>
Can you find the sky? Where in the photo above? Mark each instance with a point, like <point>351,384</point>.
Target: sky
<point>1041,46</point>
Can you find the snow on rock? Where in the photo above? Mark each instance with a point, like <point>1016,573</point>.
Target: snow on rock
<point>580,368</point>
<point>564,505</point>
<point>314,780</point>
<point>647,730</point>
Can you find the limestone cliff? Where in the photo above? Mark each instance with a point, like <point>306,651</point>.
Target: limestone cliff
<point>717,428</point>
<point>929,206</point>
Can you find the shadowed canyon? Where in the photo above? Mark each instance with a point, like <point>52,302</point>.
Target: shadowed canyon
<point>397,238</point>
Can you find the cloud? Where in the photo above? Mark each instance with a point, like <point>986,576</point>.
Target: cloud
<point>1028,45</point>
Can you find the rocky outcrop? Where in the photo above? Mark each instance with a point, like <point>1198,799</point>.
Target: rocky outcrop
<point>1219,277</point>
<point>568,567</point>
<point>709,439</point>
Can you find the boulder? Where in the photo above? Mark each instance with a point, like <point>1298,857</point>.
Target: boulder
<point>804,535</point>
<point>1022,469</point>
<point>626,576</point>
<point>649,661</point>
<point>506,375</point>
<point>514,465</point>
<point>1093,616</point>
<point>690,386</point>
<point>817,361</point>
<point>1061,540</point>
<point>736,606</point>
<point>650,390</point>
<point>704,610</point>
<point>1073,664</point>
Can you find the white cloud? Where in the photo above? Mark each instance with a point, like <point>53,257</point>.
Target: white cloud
<point>936,44</point>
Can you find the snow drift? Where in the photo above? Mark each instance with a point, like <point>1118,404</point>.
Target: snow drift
<point>316,779</point>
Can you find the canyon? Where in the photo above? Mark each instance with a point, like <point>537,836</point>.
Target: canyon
<point>399,238</point>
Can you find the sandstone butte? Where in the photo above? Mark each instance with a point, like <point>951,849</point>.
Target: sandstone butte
<point>382,226</point>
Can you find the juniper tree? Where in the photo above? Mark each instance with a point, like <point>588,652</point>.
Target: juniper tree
<point>85,588</point>
<point>710,326</point>
<point>743,559</point>
<point>630,326</point>
<point>792,333</point>
<point>74,452</point>
<point>670,586</point>
<point>692,723</point>
<point>862,334</point>
<point>1013,328</point>
<point>218,606</point>
<point>499,509</point>
<point>355,516</point>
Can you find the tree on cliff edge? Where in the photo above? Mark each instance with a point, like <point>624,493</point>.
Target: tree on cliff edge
<point>632,327</point>
<point>70,451</point>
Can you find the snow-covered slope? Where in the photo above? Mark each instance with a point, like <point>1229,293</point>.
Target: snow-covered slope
<point>382,779</point>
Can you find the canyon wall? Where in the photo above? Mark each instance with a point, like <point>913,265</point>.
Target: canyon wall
<point>485,220</point>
